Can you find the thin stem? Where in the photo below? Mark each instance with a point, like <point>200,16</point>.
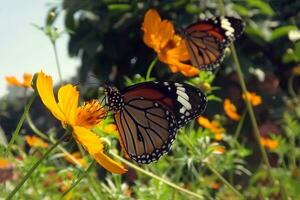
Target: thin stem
<point>44,136</point>
<point>156,177</point>
<point>32,169</point>
<point>251,113</point>
<point>240,125</point>
<point>150,68</point>
<point>57,63</point>
<point>214,171</point>
<point>35,129</point>
<point>81,176</point>
<point>291,88</point>
<point>22,119</point>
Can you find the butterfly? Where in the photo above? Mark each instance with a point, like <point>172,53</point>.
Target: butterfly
<point>206,40</point>
<point>149,114</point>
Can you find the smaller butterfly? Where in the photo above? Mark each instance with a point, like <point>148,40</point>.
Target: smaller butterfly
<point>148,115</point>
<point>206,40</point>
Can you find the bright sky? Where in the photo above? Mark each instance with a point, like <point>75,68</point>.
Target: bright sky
<point>23,48</point>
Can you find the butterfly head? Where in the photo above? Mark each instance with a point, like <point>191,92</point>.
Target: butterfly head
<point>114,99</point>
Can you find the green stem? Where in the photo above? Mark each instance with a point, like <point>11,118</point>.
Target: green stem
<point>19,126</point>
<point>291,88</point>
<point>35,129</point>
<point>81,176</point>
<point>57,63</point>
<point>150,68</point>
<point>214,171</point>
<point>31,170</point>
<point>240,125</point>
<point>156,177</point>
<point>44,136</point>
<point>251,113</point>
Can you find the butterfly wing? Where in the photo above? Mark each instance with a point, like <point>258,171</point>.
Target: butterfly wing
<point>152,114</point>
<point>207,39</point>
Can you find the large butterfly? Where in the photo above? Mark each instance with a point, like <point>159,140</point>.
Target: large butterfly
<point>207,39</point>
<point>148,115</point>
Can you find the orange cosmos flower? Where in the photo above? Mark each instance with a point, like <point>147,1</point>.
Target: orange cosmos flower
<point>34,141</point>
<point>77,156</point>
<point>269,143</point>
<point>80,119</point>
<point>26,80</point>
<point>214,126</point>
<point>254,99</point>
<point>230,110</point>
<point>170,47</point>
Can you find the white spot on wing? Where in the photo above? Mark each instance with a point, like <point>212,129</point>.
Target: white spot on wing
<point>184,102</point>
<point>182,94</point>
<point>181,89</point>
<point>182,110</point>
<point>178,84</point>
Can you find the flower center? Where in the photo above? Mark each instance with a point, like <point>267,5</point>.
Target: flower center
<point>90,114</point>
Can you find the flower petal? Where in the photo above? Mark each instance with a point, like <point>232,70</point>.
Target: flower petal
<point>93,144</point>
<point>44,86</point>
<point>11,80</point>
<point>68,102</point>
<point>27,80</point>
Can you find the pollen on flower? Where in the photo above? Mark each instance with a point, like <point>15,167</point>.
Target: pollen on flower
<point>90,114</point>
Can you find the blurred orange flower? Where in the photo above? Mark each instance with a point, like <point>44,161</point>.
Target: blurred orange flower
<point>253,98</point>
<point>6,170</point>
<point>218,149</point>
<point>80,119</point>
<point>78,157</point>
<point>269,143</point>
<point>215,185</point>
<point>160,36</point>
<point>296,70</point>
<point>11,80</point>
<point>34,141</point>
<point>230,110</point>
<point>214,126</point>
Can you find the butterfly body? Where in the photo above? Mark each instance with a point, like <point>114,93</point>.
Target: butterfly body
<point>148,116</point>
<point>206,40</point>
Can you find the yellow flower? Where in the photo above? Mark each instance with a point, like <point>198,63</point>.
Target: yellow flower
<point>254,99</point>
<point>214,126</point>
<point>269,143</point>
<point>79,119</point>
<point>34,141</point>
<point>77,156</point>
<point>170,47</point>
<point>230,110</point>
<point>26,80</point>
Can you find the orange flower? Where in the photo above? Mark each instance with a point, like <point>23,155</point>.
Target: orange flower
<point>170,47</point>
<point>218,149</point>
<point>230,110</point>
<point>80,119</point>
<point>214,126</point>
<point>34,141</point>
<point>296,70</point>
<point>26,80</point>
<point>254,99</point>
<point>215,185</point>
<point>6,170</point>
<point>77,157</point>
<point>269,143</point>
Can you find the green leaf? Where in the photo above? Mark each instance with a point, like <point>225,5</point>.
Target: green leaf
<point>264,7</point>
<point>281,32</point>
<point>242,11</point>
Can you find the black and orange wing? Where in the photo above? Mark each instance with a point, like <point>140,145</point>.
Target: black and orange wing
<point>207,39</point>
<point>152,114</point>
